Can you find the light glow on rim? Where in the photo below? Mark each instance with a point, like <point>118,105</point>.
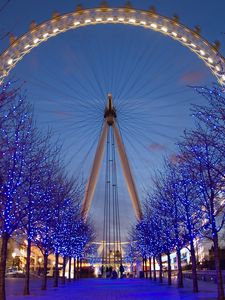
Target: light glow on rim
<point>202,52</point>
<point>36,40</point>
<point>153,25</point>
<point>10,61</point>
<point>218,68</point>
<point>165,29</point>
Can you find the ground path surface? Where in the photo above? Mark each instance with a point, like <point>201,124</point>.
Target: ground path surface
<point>108,289</point>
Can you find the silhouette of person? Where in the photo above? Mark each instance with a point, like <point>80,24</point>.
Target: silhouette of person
<point>102,270</point>
<point>121,271</point>
<point>107,272</point>
<point>110,271</point>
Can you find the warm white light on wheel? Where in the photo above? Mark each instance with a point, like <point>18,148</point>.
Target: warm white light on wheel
<point>110,19</point>
<point>184,39</point>
<point>223,77</point>
<point>10,61</point>
<point>36,41</point>
<point>45,35</point>
<point>202,52</point>
<point>88,21</point>
<point>174,33</point>
<point>121,19</point>
<point>76,23</point>
<point>99,20</point>
<point>210,60</point>
<point>193,45</point>
<point>218,68</point>
<point>132,20</point>
<point>164,29</point>
<point>153,25</point>
<point>27,46</point>
<point>55,30</point>
<point>143,22</point>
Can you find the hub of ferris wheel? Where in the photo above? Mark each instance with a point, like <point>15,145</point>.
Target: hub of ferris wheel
<point>110,111</point>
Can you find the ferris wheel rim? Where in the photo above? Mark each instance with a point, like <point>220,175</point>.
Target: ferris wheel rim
<point>38,34</point>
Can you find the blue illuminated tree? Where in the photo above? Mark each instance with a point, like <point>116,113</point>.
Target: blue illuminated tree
<point>45,227</point>
<point>168,207</point>
<point>165,236</point>
<point>35,172</point>
<point>186,191</point>
<point>15,143</point>
<point>68,196</point>
<point>205,163</point>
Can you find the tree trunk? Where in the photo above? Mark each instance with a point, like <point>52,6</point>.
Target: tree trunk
<point>150,268</point>
<point>3,258</point>
<point>169,268</point>
<point>219,278</point>
<point>27,276</point>
<point>179,274</point>
<point>80,267</point>
<point>77,268</point>
<point>143,267</point>
<point>160,269</point>
<point>146,268</point>
<point>56,275</point>
<point>70,269</point>
<point>44,279</point>
<point>154,270</point>
<point>64,270</point>
<point>74,268</point>
<point>194,268</point>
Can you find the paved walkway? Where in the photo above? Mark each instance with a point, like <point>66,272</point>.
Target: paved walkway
<point>120,289</point>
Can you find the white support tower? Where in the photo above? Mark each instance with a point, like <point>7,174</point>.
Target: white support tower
<point>110,120</point>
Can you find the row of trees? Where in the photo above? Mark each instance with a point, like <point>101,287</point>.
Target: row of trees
<point>187,200</point>
<point>37,197</point>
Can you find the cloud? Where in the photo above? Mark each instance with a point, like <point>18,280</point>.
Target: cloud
<point>193,77</point>
<point>176,158</point>
<point>157,147</point>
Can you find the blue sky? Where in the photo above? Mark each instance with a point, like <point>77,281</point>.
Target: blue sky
<point>68,78</point>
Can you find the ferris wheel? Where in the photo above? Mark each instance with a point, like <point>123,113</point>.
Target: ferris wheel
<point>191,39</point>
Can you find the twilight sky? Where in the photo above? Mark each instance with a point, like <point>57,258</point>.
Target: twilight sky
<point>68,78</point>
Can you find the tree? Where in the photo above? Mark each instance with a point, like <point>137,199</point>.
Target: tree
<point>186,191</point>
<point>168,208</point>
<point>37,157</point>
<point>44,237</point>
<point>15,135</point>
<point>67,196</point>
<point>205,162</point>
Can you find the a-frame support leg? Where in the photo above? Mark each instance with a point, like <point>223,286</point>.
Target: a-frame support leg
<point>127,173</point>
<point>91,185</point>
